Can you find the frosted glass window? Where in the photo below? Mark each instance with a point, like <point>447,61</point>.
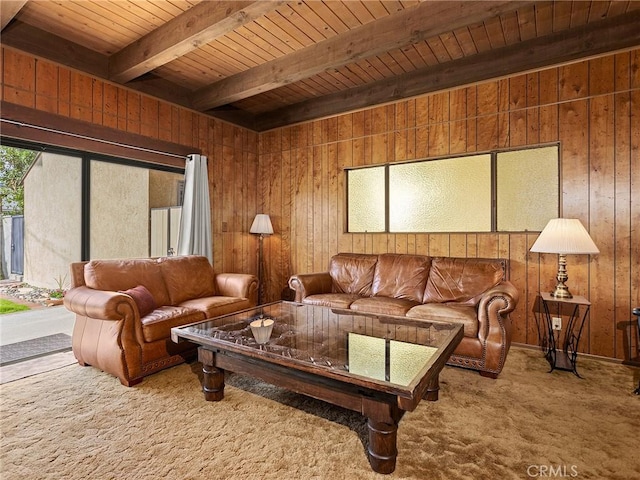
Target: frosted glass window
<point>366,199</point>
<point>527,189</point>
<point>450,195</point>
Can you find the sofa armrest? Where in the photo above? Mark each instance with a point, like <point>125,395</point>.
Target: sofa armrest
<point>99,304</point>
<point>107,332</point>
<point>310,284</point>
<point>494,324</point>
<point>506,296</point>
<point>238,285</point>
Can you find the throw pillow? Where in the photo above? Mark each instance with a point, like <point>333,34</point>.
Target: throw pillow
<point>143,298</point>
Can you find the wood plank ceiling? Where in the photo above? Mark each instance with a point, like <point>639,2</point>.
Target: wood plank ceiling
<point>266,64</point>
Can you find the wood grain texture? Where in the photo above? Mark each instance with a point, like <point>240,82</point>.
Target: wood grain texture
<point>296,174</point>
<point>587,107</point>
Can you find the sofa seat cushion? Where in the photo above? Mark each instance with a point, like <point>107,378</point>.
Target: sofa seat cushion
<point>401,276</point>
<point>333,300</point>
<point>216,305</point>
<point>158,324</point>
<point>446,312</point>
<point>383,305</point>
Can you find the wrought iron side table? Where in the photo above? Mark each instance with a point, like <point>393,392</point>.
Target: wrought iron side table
<point>566,358</point>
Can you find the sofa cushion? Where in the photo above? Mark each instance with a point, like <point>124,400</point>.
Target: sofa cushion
<point>116,275</point>
<point>447,312</point>
<point>461,280</point>
<point>187,277</point>
<point>383,305</point>
<point>401,276</point>
<point>158,324</point>
<point>352,273</point>
<point>333,300</point>
<point>143,298</point>
<point>217,305</point>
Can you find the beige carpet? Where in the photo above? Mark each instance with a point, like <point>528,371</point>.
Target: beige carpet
<point>79,423</point>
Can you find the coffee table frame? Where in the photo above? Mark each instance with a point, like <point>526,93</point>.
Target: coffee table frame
<point>380,403</point>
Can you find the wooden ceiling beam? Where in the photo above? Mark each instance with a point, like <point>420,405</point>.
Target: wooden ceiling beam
<point>617,34</point>
<point>9,10</point>
<point>409,26</point>
<point>195,27</point>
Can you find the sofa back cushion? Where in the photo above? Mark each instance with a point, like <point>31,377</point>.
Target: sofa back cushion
<point>353,273</point>
<point>187,277</point>
<point>462,280</point>
<point>118,275</point>
<point>401,276</point>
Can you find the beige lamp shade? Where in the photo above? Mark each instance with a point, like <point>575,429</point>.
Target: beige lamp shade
<point>261,225</point>
<point>565,236</point>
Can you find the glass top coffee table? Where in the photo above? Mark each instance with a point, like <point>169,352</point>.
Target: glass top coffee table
<point>380,366</point>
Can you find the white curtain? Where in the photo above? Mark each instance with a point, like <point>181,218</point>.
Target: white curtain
<point>194,237</point>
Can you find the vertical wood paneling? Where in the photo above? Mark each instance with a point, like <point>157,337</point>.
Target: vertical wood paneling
<point>622,207</point>
<point>296,173</point>
<point>46,87</point>
<point>19,78</point>
<point>602,221</point>
<point>232,168</point>
<point>587,107</point>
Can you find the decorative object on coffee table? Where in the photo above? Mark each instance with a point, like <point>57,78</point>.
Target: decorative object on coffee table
<point>564,236</point>
<point>262,329</point>
<point>261,226</point>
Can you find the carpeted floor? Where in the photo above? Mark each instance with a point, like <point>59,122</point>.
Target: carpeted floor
<point>78,423</point>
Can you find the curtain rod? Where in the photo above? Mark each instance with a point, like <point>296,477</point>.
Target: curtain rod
<point>84,137</point>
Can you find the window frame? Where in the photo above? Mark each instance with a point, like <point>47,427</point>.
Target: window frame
<point>494,185</point>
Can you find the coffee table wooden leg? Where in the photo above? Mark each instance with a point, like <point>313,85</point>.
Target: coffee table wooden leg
<point>382,446</point>
<point>382,422</point>
<point>213,380</point>
<point>432,389</point>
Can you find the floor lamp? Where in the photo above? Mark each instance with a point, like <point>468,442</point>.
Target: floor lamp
<point>261,226</point>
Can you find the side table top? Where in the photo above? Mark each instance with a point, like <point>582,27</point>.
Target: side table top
<point>576,299</point>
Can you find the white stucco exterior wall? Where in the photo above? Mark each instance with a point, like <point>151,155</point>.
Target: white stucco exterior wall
<point>52,218</point>
<point>119,215</point>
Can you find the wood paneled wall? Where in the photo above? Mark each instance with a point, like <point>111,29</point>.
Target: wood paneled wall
<point>295,174</point>
<point>232,151</point>
<point>592,108</point>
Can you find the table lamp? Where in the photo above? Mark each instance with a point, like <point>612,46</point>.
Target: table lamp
<point>261,226</point>
<point>564,236</point>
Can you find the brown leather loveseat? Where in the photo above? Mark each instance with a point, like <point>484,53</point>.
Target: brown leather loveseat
<point>470,291</point>
<point>125,309</point>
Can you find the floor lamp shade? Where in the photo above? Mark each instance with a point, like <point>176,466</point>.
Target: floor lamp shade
<point>564,236</point>
<point>261,225</point>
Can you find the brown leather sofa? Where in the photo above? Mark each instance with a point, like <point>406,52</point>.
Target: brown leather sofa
<point>470,291</point>
<point>125,310</point>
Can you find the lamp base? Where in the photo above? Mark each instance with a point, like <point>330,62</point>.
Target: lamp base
<point>562,291</point>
